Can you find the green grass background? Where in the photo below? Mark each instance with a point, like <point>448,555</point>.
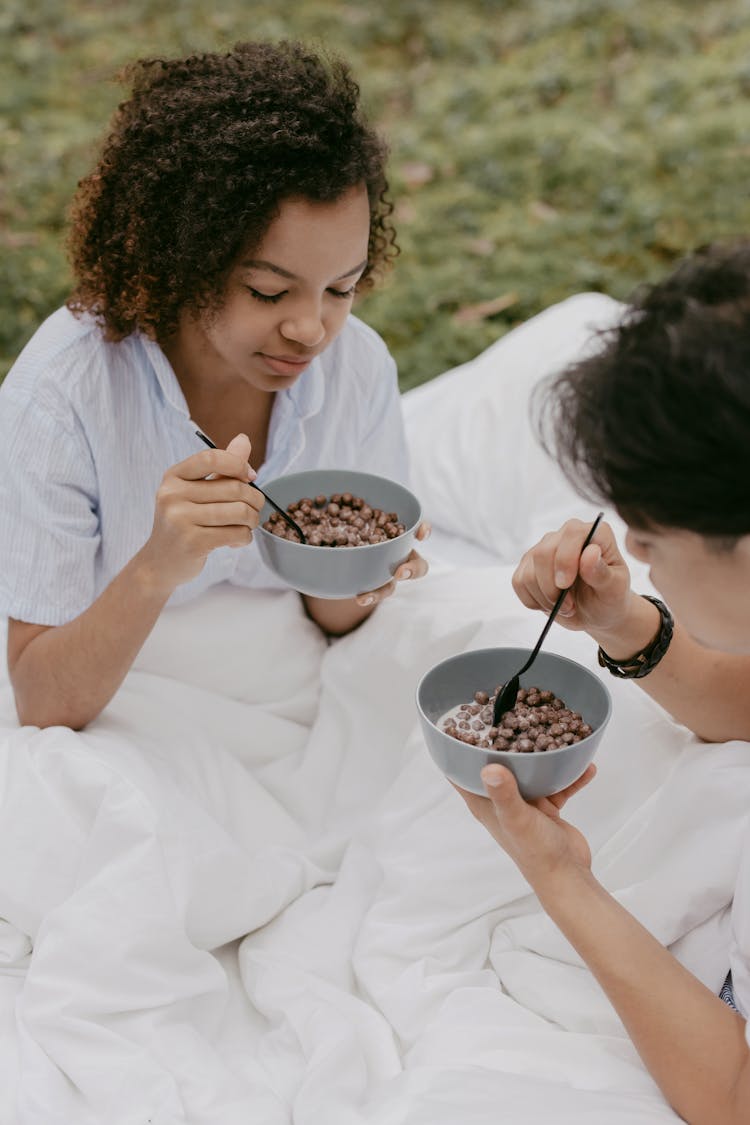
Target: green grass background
<point>539,148</point>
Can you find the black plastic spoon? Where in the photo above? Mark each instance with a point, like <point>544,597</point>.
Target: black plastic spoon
<point>505,700</point>
<point>284,515</point>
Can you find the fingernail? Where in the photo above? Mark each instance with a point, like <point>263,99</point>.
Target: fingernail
<point>251,474</point>
<point>405,573</point>
<point>560,580</point>
<point>567,609</point>
<point>492,777</point>
<point>366,601</point>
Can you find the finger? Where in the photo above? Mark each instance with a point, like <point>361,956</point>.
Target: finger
<point>543,576</point>
<point>592,568</point>
<point>567,552</point>
<point>371,597</point>
<point>220,490</point>
<point>502,789</point>
<point>557,561</point>
<point>568,556</point>
<point>561,798</point>
<point>524,583</point>
<point>530,584</point>
<point>228,514</point>
<point>211,461</point>
<point>211,538</point>
<point>600,568</point>
<point>423,531</point>
<point>240,446</point>
<point>412,567</point>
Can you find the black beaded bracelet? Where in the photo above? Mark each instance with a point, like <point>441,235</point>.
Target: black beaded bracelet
<point>643,662</point>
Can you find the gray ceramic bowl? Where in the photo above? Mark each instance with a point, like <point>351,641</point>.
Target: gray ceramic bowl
<point>338,572</point>
<point>455,680</point>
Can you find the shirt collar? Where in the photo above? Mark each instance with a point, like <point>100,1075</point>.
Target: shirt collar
<point>165,375</point>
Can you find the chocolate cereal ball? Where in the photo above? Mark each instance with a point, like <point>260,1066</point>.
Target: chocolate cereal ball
<point>340,520</point>
<point>538,721</point>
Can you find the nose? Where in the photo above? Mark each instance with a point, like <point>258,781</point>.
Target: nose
<point>304,326</point>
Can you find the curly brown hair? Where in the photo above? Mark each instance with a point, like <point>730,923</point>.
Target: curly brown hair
<point>657,421</point>
<point>195,167</point>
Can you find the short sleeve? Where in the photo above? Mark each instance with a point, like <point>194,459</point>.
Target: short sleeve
<point>49,524</point>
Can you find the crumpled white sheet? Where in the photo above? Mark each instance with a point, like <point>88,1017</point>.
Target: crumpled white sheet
<point>249,780</point>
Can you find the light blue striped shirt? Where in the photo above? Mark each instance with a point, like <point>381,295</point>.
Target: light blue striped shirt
<point>88,429</point>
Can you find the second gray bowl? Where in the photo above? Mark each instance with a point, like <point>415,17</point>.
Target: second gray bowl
<point>338,572</point>
<point>455,680</point>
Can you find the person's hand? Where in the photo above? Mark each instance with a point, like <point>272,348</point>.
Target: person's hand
<point>202,503</point>
<point>414,566</point>
<point>600,597</point>
<point>533,833</point>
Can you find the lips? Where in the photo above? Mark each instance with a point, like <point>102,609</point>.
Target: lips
<point>285,364</point>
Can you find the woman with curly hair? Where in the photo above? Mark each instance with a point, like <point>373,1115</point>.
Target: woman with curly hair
<point>238,205</point>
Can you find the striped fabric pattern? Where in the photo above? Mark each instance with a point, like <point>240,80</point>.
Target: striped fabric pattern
<point>88,428</point>
<point>727,993</point>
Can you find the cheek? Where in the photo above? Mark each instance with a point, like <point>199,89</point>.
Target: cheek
<point>250,328</point>
<point>679,599</point>
<point>221,329</point>
<point>336,316</point>
<point>671,584</point>
<point>633,547</point>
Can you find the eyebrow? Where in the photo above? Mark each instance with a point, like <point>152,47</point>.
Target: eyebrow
<point>259,264</point>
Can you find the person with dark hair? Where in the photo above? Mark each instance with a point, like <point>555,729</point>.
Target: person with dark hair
<point>238,205</point>
<point>657,424</point>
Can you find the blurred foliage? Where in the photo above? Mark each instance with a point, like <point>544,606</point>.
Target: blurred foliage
<point>539,147</point>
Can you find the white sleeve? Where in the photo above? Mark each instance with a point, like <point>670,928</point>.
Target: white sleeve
<point>49,523</point>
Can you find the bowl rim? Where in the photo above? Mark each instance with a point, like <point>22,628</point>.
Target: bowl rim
<point>360,472</point>
<point>513,754</point>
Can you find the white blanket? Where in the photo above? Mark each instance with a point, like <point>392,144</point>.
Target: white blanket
<point>249,780</point>
<point>250,895</point>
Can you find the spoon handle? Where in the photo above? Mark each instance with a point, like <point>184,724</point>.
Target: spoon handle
<point>284,515</point>
<point>559,602</point>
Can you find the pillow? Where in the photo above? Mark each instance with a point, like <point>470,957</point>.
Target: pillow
<point>476,464</point>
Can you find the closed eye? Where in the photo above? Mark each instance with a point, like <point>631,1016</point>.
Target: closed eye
<point>273,298</point>
<point>343,293</point>
<point>266,298</point>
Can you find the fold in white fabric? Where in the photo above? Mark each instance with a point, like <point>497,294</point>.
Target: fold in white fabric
<point>251,785</point>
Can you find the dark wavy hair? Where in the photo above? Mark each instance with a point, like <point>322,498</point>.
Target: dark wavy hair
<point>195,167</point>
<point>658,422</point>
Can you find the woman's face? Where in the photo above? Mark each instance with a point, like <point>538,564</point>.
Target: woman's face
<point>708,589</point>
<point>286,301</point>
